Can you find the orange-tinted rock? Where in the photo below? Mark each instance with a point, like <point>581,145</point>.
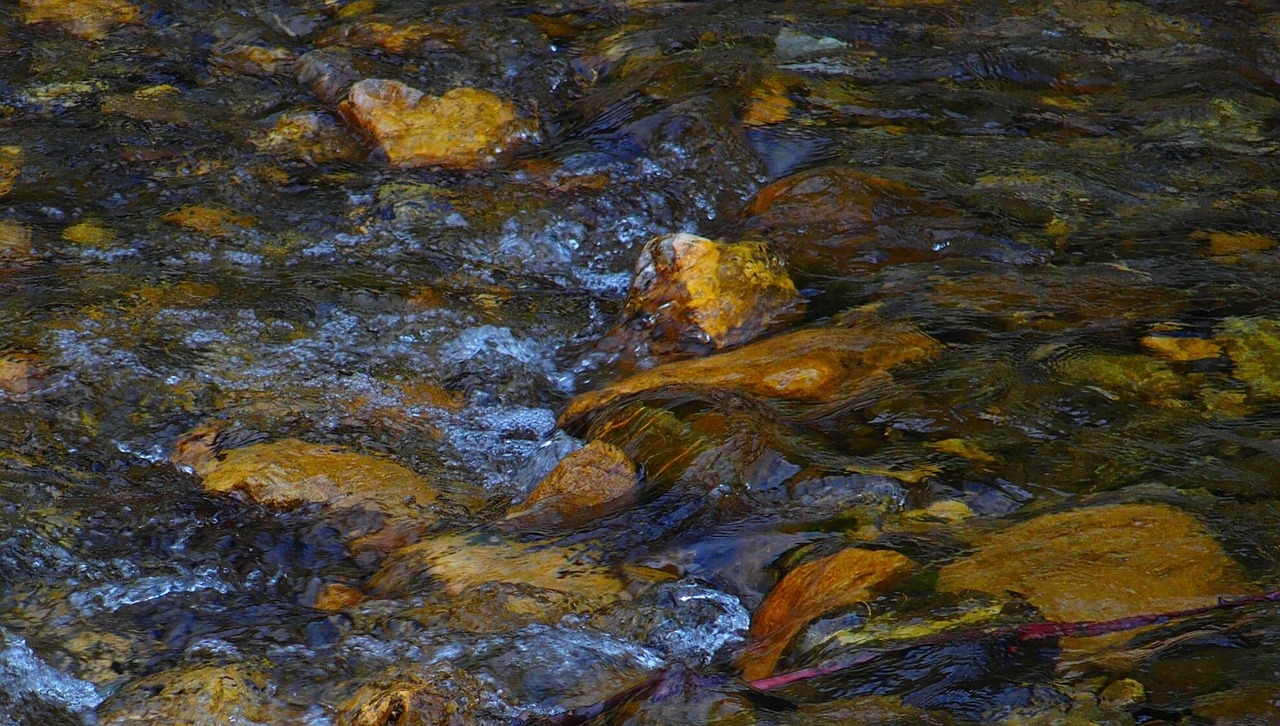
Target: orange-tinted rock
<point>1181,348</point>
<point>440,696</point>
<point>88,19</point>
<point>1222,244</point>
<point>692,293</point>
<point>814,366</point>
<point>462,562</point>
<point>587,483</point>
<point>1101,563</point>
<point>397,36</point>
<point>465,128</point>
<point>209,220</point>
<point>337,596</point>
<point>829,218</point>
<point>768,103</point>
<point>810,591</point>
<point>21,372</point>
<point>288,473</point>
<point>198,696</point>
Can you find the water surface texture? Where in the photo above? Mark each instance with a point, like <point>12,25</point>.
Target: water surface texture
<point>341,381</point>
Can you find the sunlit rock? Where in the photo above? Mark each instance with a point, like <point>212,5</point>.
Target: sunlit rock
<point>289,473</point>
<point>1100,563</point>
<point>89,233</point>
<point>846,578</point>
<point>209,221</point>
<point>88,19</point>
<point>253,57</point>
<point>21,372</point>
<point>1254,346</point>
<point>768,102</point>
<point>466,128</point>
<point>1120,376</point>
<point>1181,348</point>
<point>1230,244</point>
<point>461,562</point>
<point>394,35</point>
<point>314,136</point>
<point>814,366</point>
<point>337,596</point>
<point>440,695</point>
<point>587,483</point>
<point>207,695</point>
<point>693,294</point>
<point>10,167</point>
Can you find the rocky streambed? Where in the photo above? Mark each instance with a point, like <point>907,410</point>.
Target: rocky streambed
<point>381,362</point>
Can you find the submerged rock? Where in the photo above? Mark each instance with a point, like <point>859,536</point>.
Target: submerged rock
<point>314,136</point>
<point>690,293</point>
<point>15,241</point>
<point>10,167</point>
<point>209,221</point>
<point>87,19</point>
<point>21,372</point>
<point>1100,563</point>
<point>587,483</point>
<point>466,128</point>
<point>206,695</point>
<point>846,578</point>
<point>440,695</point>
<point>813,367</point>
<point>289,473</point>
<point>1254,346</point>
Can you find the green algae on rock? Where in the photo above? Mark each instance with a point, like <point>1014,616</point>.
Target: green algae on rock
<point>466,128</point>
<point>1253,344</point>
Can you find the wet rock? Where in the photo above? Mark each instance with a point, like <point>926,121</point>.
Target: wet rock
<point>1254,346</point>
<point>768,102</point>
<point>1181,348</point>
<point>87,19</point>
<point>809,591</point>
<point>337,596</point>
<point>439,695</point>
<point>288,473</point>
<point>589,482</point>
<point>254,57</point>
<point>10,167</point>
<point>394,35</point>
<point>21,372</point>
<point>830,219</point>
<point>1100,563</point>
<point>866,711</point>
<point>162,104</point>
<point>1122,376</point>
<point>465,128</point>
<point>1244,705</point>
<point>313,136</point>
<point>15,240</point>
<point>692,294</point>
<point>89,233</point>
<point>460,563</point>
<point>1229,244</point>
<point>810,367</point>
<point>209,221</point>
<point>327,73</point>
<point>206,695</point>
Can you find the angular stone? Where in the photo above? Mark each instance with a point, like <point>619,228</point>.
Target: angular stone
<point>815,366</point>
<point>87,19</point>
<point>288,473</point>
<point>1254,346</point>
<point>587,483</point>
<point>466,128</point>
<point>1100,563</point>
<point>692,293</point>
<point>809,591</point>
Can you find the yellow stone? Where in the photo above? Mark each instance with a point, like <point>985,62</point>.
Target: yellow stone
<point>88,19</point>
<point>207,695</point>
<point>465,128</point>
<point>10,167</point>
<point>813,366</point>
<point>20,372</point>
<point>1181,349</point>
<point>769,103</point>
<point>1101,563</point>
<point>1254,346</point>
<point>1234,243</point>
<point>810,591</point>
<point>288,473</point>
<point>209,220</point>
<point>15,240</point>
<point>585,484</point>
<point>965,450</point>
<point>90,233</point>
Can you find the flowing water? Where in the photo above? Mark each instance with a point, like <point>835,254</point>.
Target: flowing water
<point>1075,202</point>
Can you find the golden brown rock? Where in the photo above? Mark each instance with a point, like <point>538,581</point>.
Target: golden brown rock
<point>769,103</point>
<point>693,293</point>
<point>288,473</point>
<point>10,167</point>
<point>199,696</point>
<point>311,135</point>
<point>88,19</point>
<point>1180,348</point>
<point>1100,563</point>
<point>15,240</point>
<point>462,562</point>
<point>1224,244</point>
<point>440,696</point>
<point>21,372</point>
<point>846,578</point>
<point>90,233</point>
<point>209,220</point>
<point>587,483</point>
<point>466,128</point>
<point>337,596</point>
<point>813,366</point>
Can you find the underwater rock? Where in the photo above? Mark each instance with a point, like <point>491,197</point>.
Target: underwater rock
<point>1125,377</point>
<point>206,695</point>
<point>440,695</point>
<point>466,128</point>
<point>690,293</point>
<point>289,473</point>
<point>209,221</point>
<point>1254,346</point>
<point>87,19</point>
<point>587,483</point>
<point>21,372</point>
<point>1181,348</point>
<point>89,233</point>
<point>15,240</point>
<point>1100,563</point>
<point>10,167</point>
<point>1228,244</point>
<point>846,578</point>
<point>314,136</point>
<point>327,73</point>
<point>814,366</point>
<point>337,596</point>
